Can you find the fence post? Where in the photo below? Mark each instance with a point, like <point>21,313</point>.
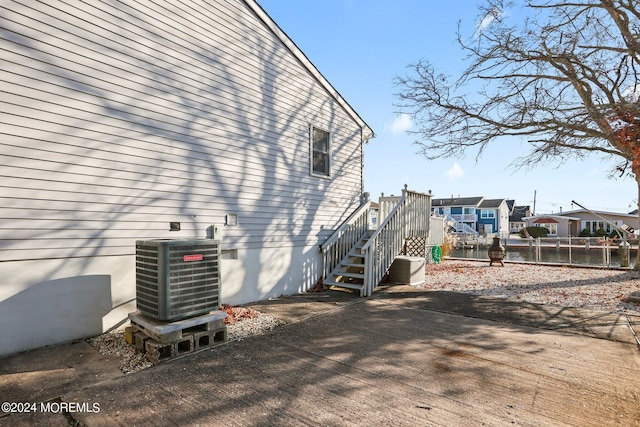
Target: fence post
<point>624,250</point>
<point>537,250</point>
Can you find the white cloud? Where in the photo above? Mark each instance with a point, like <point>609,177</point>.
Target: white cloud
<point>402,123</point>
<point>455,172</point>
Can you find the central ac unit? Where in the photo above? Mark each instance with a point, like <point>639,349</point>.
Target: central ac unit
<point>177,279</point>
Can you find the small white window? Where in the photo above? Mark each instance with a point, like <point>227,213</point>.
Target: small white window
<point>320,152</point>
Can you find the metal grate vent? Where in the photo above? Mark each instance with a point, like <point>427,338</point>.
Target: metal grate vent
<point>177,279</point>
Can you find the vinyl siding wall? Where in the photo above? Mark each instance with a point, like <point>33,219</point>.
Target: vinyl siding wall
<point>117,118</point>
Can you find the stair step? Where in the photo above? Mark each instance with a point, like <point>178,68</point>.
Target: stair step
<point>356,286</point>
<point>351,275</point>
<point>351,264</point>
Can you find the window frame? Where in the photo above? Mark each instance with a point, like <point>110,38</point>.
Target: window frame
<point>312,152</point>
<point>487,213</point>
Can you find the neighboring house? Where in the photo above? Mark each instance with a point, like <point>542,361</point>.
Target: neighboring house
<point>475,214</point>
<point>557,225</point>
<point>125,121</point>
<point>572,223</point>
<point>516,222</point>
<point>462,210</point>
<point>493,217</point>
<point>593,221</point>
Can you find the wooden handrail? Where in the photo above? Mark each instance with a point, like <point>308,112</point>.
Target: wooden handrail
<point>345,225</point>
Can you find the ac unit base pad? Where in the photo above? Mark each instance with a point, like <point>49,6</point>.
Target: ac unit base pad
<point>165,332</point>
<point>166,340</point>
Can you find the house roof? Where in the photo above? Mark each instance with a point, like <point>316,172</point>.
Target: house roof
<point>511,204</point>
<point>545,220</point>
<point>603,213</point>
<point>519,212</point>
<point>555,217</point>
<point>491,203</point>
<point>367,133</point>
<point>457,201</point>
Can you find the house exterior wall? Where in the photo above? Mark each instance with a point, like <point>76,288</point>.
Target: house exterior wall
<point>118,118</point>
<point>619,220</point>
<point>584,218</point>
<point>564,228</point>
<point>516,226</point>
<point>562,225</point>
<point>499,222</point>
<point>483,222</point>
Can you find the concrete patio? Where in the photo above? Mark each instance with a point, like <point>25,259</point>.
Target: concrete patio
<point>405,356</point>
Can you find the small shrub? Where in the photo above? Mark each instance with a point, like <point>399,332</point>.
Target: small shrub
<point>535,232</point>
<point>600,233</point>
<point>585,233</point>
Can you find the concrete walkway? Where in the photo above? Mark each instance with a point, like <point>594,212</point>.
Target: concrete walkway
<point>405,356</point>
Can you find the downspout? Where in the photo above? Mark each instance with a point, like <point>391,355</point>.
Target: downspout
<point>362,142</point>
<point>364,139</point>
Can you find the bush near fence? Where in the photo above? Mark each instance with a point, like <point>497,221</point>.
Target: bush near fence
<point>534,232</point>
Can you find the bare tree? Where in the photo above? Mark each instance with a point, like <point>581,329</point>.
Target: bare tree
<point>564,78</point>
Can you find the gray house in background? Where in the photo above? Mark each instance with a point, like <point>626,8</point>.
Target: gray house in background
<point>125,121</point>
<point>576,222</point>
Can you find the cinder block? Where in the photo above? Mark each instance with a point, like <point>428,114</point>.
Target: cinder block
<point>157,352</point>
<point>185,345</point>
<point>129,334</point>
<point>204,339</point>
<point>214,325</point>
<point>167,332</point>
<point>140,339</point>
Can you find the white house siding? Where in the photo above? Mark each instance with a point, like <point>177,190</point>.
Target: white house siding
<point>117,118</point>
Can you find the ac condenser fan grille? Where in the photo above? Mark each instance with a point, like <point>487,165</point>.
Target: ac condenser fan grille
<point>177,279</point>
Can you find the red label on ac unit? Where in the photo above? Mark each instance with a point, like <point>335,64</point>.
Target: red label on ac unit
<point>194,257</point>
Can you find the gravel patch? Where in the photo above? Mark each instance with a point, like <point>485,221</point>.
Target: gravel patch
<point>241,323</point>
<point>113,344</point>
<point>596,289</point>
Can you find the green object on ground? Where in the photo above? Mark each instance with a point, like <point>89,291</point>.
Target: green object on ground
<point>436,254</point>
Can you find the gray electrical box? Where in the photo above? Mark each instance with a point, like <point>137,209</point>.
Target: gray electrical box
<point>407,270</point>
<point>177,279</point>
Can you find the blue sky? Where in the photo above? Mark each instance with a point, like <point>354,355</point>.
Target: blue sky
<point>360,46</point>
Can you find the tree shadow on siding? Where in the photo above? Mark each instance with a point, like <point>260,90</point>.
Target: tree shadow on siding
<point>152,124</point>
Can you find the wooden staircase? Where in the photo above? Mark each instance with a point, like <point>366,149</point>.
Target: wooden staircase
<point>349,273</point>
<point>355,257</point>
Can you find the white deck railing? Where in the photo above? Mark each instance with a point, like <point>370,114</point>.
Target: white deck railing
<point>465,217</point>
<point>409,218</point>
<point>336,247</point>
